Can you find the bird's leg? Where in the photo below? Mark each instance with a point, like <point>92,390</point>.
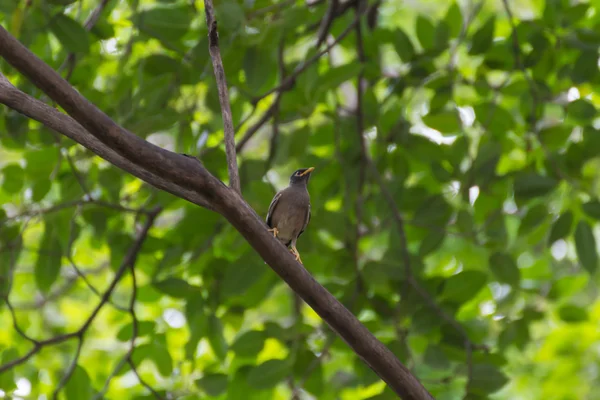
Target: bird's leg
<point>274,230</point>
<point>294,251</point>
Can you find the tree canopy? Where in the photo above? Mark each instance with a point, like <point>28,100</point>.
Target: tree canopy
<point>455,200</point>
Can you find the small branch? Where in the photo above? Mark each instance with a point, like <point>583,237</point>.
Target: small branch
<point>93,18</point>
<point>410,279</point>
<point>289,81</point>
<point>69,371</point>
<point>217,62</point>
<point>129,261</point>
<point>258,124</point>
<point>186,178</point>
<point>142,381</point>
<point>326,22</point>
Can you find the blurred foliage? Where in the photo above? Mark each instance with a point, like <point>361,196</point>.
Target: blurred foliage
<point>483,130</point>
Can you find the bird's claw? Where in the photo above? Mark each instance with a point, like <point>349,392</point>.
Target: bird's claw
<point>275,231</point>
<point>296,254</point>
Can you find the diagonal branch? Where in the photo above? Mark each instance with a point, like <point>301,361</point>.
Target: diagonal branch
<point>217,62</point>
<point>59,122</point>
<point>187,178</point>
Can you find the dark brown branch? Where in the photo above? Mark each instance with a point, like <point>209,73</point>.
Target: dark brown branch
<point>59,122</point>
<point>217,62</point>
<point>326,22</point>
<point>188,179</point>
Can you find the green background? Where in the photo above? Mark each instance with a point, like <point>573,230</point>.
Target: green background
<point>482,140</point>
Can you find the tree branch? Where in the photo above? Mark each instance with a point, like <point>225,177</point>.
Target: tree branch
<point>290,79</point>
<point>187,178</point>
<point>128,261</point>
<point>61,123</point>
<point>217,62</point>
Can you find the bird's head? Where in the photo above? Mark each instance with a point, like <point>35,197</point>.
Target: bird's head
<point>301,176</point>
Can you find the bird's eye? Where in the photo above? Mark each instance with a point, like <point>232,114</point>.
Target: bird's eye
<point>298,173</point>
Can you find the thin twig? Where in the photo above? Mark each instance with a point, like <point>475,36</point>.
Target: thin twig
<point>326,22</point>
<point>289,81</point>
<point>258,124</point>
<point>75,203</point>
<point>69,371</point>
<point>129,260</point>
<point>217,62</point>
<point>142,381</point>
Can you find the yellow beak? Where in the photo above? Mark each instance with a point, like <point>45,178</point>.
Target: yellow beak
<point>308,171</point>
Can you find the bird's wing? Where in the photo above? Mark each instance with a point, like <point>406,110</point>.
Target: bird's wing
<point>307,221</point>
<point>272,208</point>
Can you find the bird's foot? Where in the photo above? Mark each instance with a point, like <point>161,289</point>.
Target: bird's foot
<point>296,254</point>
<point>275,231</point>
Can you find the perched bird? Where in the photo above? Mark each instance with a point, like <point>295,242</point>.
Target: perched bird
<point>289,211</point>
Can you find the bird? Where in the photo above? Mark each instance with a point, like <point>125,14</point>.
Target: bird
<point>289,211</point>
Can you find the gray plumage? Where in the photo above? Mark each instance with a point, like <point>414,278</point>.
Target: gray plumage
<point>289,211</point>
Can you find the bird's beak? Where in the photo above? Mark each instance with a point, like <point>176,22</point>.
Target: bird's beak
<point>308,171</point>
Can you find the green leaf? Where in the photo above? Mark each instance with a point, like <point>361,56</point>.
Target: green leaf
<point>7,378</point>
<point>454,19</point>
<point>572,314</point>
<point>13,178</point>
<point>70,34</point>
<point>213,384</point>
<point>216,338</point>
<point>463,286</point>
<point>230,15</point>
<point>240,276</point>
<point>79,386</point>
<point>159,64</point>
<point>256,69</point>
<point>334,77</point>
<point>425,31</point>
<point>483,37</point>
<point>403,45</point>
<point>164,23</point>
<point>249,344</point>
<point>197,323</point>
<point>159,354</point>
<point>144,328</point>
<point>40,189</point>
<point>269,373</point>
<point>47,266</point>
<point>585,244</point>
<point>530,185</point>
<point>486,378</point>
<point>176,288</point>
<point>534,217</point>
<point>494,118</point>
<point>40,163</point>
<point>505,268</point>
<point>592,209</point>
<point>433,210</point>
<point>586,67</point>
<point>581,110</point>
<point>561,227</point>
<point>431,242</point>
<point>446,121</point>
<point>555,137</point>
